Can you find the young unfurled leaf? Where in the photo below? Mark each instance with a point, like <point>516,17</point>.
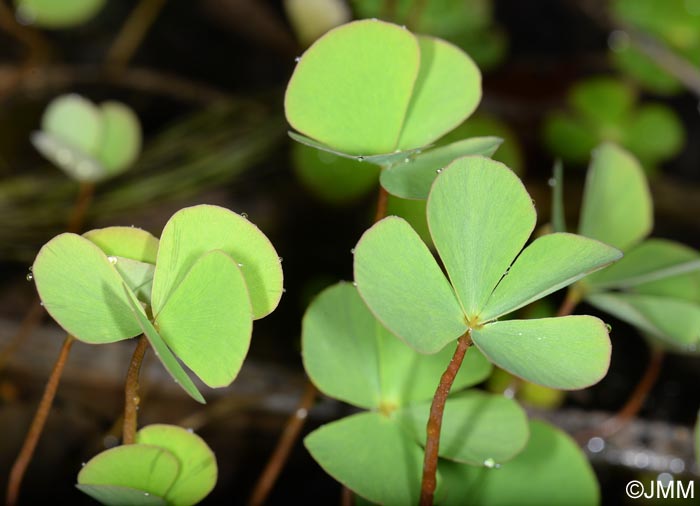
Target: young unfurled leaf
<point>127,242</point>
<point>480,217</point>
<point>167,465</point>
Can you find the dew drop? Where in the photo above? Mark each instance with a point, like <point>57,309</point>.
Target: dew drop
<point>41,304</point>
<point>354,283</point>
<point>438,171</point>
<point>244,215</point>
<point>30,277</point>
<point>31,268</point>
<point>190,430</point>
<point>406,160</point>
<point>352,251</point>
<point>146,494</point>
<point>552,182</point>
<point>490,463</point>
<point>240,265</point>
<point>595,445</point>
<point>297,59</point>
<point>284,290</point>
<point>609,327</point>
<point>82,464</point>
<point>280,259</point>
<point>404,27</point>
<point>360,158</point>
<point>618,40</point>
<point>112,260</point>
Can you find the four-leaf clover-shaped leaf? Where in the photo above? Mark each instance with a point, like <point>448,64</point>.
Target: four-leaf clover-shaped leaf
<point>480,217</point>
<point>196,298</point>
<point>656,286</point>
<point>603,109</point>
<point>168,465</point>
<point>350,356</point>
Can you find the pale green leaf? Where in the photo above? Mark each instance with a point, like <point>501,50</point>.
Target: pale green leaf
<point>352,87</point>
<point>138,276</point>
<point>198,469</point>
<point>568,353</point>
<point>551,471</point>
<point>127,242</point>
<point>150,469</point>
<point>617,206</point>
<point>447,90</point>
<point>112,495</point>
<point>121,138</point>
<point>55,15</point>
<point>161,349</point>
<point>372,456</point>
<point>477,428</point>
<point>670,319</point>
<point>404,287</point>
<point>75,121</point>
<point>480,217</point>
<point>208,320</point>
<point>350,356</point>
<point>550,263</point>
<point>413,178</point>
<point>196,230</point>
<point>82,290</point>
<point>652,260</point>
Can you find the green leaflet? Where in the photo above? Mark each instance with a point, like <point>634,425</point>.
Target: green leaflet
<point>477,428</point>
<point>371,455</point>
<point>413,178</point>
<point>567,353</point>
<point>550,457</point>
<point>193,231</point>
<point>82,290</point>
<point>617,206</point>
<point>350,356</point>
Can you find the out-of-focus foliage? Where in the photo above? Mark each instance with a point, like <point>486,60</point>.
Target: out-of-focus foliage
<point>312,18</point>
<point>604,109</point>
<point>675,23</point>
<point>469,24</point>
<point>57,14</point>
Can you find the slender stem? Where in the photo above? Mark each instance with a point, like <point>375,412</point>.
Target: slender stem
<point>131,392</point>
<point>570,302</point>
<point>86,192</point>
<point>416,13</point>
<point>133,32</point>
<point>437,409</point>
<point>284,447</point>
<point>635,401</point>
<point>382,198</point>
<point>346,496</point>
<point>35,429</point>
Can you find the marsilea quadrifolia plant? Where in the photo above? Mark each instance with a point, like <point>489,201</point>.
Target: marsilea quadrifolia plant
<point>374,91</point>
<point>194,294</point>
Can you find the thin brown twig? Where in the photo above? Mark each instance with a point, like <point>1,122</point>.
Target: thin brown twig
<point>132,33</point>
<point>382,199</point>
<point>279,457</point>
<point>346,496</point>
<point>32,438</point>
<point>570,302</point>
<point>437,409</point>
<point>47,79</point>
<point>86,192</point>
<point>131,392</point>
